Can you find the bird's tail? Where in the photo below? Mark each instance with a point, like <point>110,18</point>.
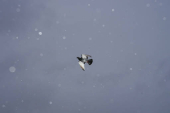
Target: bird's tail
<point>90,61</point>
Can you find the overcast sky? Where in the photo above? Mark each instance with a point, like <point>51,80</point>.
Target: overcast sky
<point>129,41</point>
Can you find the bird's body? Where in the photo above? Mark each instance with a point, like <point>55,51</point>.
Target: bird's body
<point>84,59</point>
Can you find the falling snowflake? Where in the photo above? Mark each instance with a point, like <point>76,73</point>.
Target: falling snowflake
<point>12,69</point>
<point>50,102</point>
<point>3,106</point>
<point>18,10</point>
<point>135,53</point>
<point>36,29</point>
<point>88,4</point>
<point>40,33</point>
<point>22,101</point>
<point>94,19</point>
<point>57,22</point>
<point>148,5</point>
<point>64,37</point>
<point>131,69</point>
<point>59,85</point>
<point>41,54</point>
<point>113,10</point>
<point>16,37</point>
<point>90,38</point>
<point>164,18</point>
<point>103,25</point>
<point>160,4</point>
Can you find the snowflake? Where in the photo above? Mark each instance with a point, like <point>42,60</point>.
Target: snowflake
<point>164,18</point>
<point>40,33</point>
<point>135,53</point>
<point>131,69</point>
<point>113,10</point>
<point>50,102</point>
<point>41,54</point>
<point>90,38</point>
<point>103,25</point>
<point>3,106</point>
<point>12,69</point>
<point>57,22</point>
<point>64,37</point>
<point>160,4</point>
<point>59,85</point>
<point>18,10</point>
<point>88,4</point>
<point>16,37</point>
<point>36,29</point>
<point>147,5</point>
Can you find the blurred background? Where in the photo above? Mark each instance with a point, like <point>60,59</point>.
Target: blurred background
<point>129,41</point>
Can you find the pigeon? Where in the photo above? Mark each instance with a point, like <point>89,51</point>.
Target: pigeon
<point>84,59</point>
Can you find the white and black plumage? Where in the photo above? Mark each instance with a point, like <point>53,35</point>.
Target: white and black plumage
<point>84,59</point>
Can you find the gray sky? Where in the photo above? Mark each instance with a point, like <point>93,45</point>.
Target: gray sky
<point>128,40</point>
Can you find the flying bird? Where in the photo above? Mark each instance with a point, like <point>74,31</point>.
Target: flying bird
<point>84,59</point>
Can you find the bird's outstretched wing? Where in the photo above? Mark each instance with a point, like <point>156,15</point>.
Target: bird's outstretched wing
<point>84,56</point>
<point>82,65</point>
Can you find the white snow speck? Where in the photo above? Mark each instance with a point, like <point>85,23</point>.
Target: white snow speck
<point>36,29</point>
<point>41,54</point>
<point>57,22</point>
<point>94,19</point>
<point>16,37</point>
<point>12,69</point>
<point>59,85</point>
<point>131,69</point>
<point>135,53</point>
<point>164,18</point>
<point>88,4</point>
<point>64,37</point>
<point>38,39</point>
<point>160,4</point>
<point>90,38</point>
<point>40,33</point>
<point>113,10</point>
<point>103,25</point>
<point>18,10</point>
<point>147,5</point>
<point>3,106</point>
<point>22,100</point>
<point>50,102</point>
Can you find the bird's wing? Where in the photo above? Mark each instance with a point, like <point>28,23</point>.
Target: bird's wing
<point>82,65</point>
<point>84,56</point>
